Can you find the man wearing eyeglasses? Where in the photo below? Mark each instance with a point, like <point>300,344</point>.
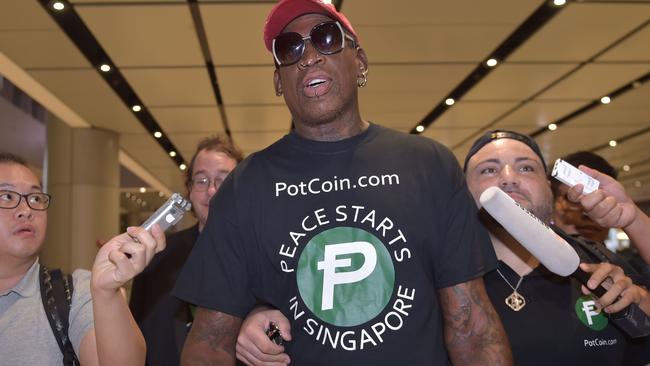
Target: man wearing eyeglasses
<point>101,329</point>
<point>365,238</point>
<point>163,319</point>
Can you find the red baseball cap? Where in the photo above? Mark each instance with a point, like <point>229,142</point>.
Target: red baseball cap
<point>287,10</point>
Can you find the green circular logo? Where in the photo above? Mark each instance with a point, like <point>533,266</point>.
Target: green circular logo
<point>589,314</point>
<point>345,276</point>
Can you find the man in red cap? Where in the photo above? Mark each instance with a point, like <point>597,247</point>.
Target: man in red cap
<point>366,239</point>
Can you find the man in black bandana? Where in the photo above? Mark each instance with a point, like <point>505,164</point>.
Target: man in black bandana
<point>547,318</point>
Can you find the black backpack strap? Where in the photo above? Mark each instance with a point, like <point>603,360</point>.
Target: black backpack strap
<point>56,294</point>
<point>595,252</point>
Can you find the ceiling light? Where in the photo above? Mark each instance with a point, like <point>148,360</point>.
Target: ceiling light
<point>626,168</point>
<point>161,194</point>
<point>419,128</point>
<point>613,143</point>
<point>172,153</point>
<point>552,126</point>
<point>559,2</point>
<point>58,6</point>
<point>105,68</point>
<point>492,62</point>
<point>136,108</point>
<point>157,134</point>
<point>605,100</point>
<point>450,101</point>
<point>182,166</point>
<point>143,190</point>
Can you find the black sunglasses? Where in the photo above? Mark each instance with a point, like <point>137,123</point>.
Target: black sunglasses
<point>327,38</point>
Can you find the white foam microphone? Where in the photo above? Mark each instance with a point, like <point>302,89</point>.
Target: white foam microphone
<point>554,252</point>
<point>540,240</point>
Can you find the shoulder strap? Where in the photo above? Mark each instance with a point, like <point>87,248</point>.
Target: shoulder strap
<point>592,251</point>
<point>56,294</point>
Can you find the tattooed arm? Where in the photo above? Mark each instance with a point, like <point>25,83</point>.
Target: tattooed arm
<point>211,340</point>
<point>473,331</point>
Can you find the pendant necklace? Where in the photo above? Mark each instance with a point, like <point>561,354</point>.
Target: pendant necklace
<point>515,301</point>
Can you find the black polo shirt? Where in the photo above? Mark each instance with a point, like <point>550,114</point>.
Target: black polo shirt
<point>558,325</point>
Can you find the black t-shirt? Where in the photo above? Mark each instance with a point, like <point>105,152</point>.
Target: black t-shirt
<point>349,239</point>
<point>558,325</point>
<point>163,318</point>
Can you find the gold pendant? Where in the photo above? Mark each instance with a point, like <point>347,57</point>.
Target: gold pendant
<point>515,301</point>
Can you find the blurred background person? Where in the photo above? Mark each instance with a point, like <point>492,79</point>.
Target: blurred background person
<point>164,319</point>
<point>608,208</point>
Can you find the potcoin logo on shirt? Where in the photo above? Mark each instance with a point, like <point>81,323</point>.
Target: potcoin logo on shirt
<point>345,276</point>
<point>345,260</point>
<point>589,314</point>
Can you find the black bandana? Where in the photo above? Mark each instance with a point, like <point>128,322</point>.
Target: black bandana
<point>503,134</point>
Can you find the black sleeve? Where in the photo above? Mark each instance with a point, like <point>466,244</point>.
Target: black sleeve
<point>217,274</point>
<point>464,250</point>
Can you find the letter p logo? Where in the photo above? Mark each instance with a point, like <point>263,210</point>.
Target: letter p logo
<point>589,307</point>
<point>330,263</point>
<point>345,276</point>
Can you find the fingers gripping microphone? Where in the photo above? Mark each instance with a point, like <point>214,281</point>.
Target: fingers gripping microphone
<point>554,252</point>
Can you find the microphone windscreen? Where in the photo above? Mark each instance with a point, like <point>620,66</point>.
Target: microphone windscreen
<point>539,239</point>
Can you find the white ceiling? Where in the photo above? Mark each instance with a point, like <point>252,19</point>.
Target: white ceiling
<point>419,51</point>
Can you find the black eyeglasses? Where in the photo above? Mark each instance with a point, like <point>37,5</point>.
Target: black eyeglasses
<point>202,184</point>
<point>327,38</point>
<point>35,201</point>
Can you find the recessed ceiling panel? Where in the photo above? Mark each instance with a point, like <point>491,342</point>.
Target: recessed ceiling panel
<point>90,97</point>
<point>145,35</point>
<point>472,114</point>
<point>634,48</point>
<point>387,109</point>
<point>448,136</point>
<point>187,142</point>
<point>48,48</point>
<point>516,82</point>
<point>458,12</point>
<point>247,85</point>
<point>188,119</point>
<point>25,15</point>
<point>595,80</point>
<point>430,81</point>
<point>234,32</point>
<point>581,30</point>
<point>536,114</point>
<point>250,142</point>
<point>430,43</point>
<point>633,152</point>
<point>171,86</point>
<point>616,115</point>
<point>120,2</point>
<point>576,137</point>
<point>172,176</point>
<point>272,118</point>
<point>425,31</point>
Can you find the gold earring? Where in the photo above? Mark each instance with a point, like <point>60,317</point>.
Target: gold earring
<point>363,79</point>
